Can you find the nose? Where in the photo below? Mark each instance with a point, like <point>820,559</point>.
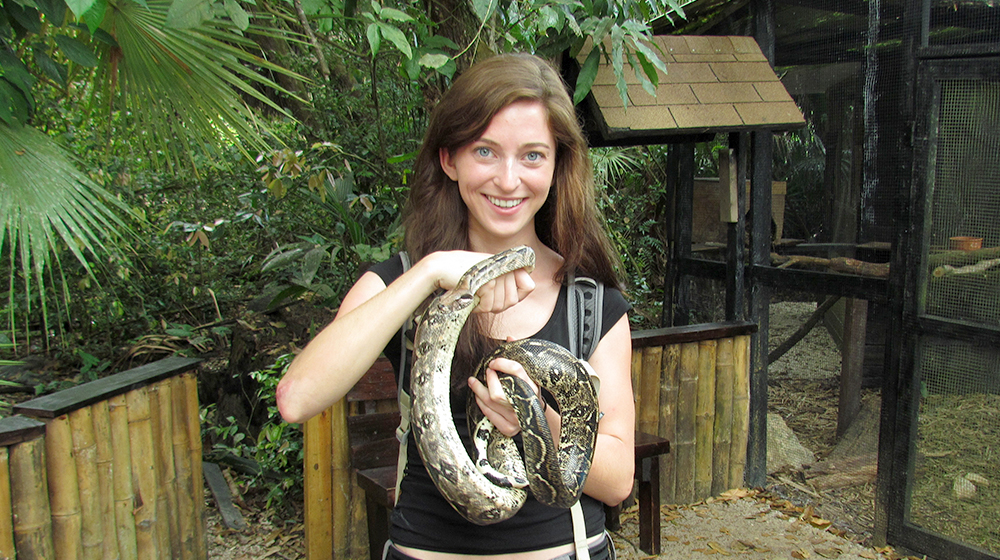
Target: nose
<point>508,175</point>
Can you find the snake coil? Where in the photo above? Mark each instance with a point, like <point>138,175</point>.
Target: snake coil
<point>491,488</point>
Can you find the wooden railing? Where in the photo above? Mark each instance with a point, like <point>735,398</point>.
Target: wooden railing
<point>692,387</point>
<point>107,469</point>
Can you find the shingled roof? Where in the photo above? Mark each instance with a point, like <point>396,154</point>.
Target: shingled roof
<point>713,84</point>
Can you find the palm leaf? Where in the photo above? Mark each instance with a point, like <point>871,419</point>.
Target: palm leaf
<point>48,206</point>
<point>183,86</point>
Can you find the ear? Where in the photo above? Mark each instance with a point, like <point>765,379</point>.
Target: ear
<point>447,164</point>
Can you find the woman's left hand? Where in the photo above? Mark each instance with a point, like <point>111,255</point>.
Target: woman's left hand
<point>493,401</point>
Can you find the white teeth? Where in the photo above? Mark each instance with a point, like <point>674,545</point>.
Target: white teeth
<point>504,203</point>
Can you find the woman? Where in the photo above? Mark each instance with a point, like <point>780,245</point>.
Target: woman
<point>504,163</point>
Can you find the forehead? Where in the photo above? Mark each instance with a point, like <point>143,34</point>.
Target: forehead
<point>525,118</point>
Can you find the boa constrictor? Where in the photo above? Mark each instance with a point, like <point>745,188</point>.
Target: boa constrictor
<point>490,490</point>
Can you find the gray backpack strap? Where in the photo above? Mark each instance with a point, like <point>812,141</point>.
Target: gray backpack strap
<point>403,396</point>
<point>584,306</point>
<point>585,302</point>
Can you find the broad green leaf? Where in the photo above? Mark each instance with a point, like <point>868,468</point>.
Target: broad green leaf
<point>601,31</point>
<point>54,10</point>
<point>435,61</point>
<point>13,106</point>
<point>55,71</point>
<point>105,37</point>
<point>394,35</point>
<point>484,9</point>
<point>26,16</point>
<point>79,7</point>
<point>76,51</point>
<point>188,14</point>
<point>374,38</point>
<point>439,42</point>
<point>394,15</point>
<point>650,56</point>
<point>640,74</point>
<point>237,14</point>
<point>549,18</point>
<point>16,73</point>
<point>376,7</point>
<point>618,62</point>
<point>95,15</point>
<point>587,74</point>
<point>649,70</point>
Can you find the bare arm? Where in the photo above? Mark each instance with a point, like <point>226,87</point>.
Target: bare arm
<point>370,314</point>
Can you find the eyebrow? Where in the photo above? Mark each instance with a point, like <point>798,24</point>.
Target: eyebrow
<point>529,145</point>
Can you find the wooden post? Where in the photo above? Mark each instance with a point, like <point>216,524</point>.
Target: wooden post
<point>723,429</point>
<point>704,419</point>
<point>187,517</point>
<point>852,362</point>
<point>124,495</point>
<point>161,415</point>
<point>64,493</point>
<point>318,484</point>
<point>6,508</point>
<point>341,478</point>
<point>143,473</point>
<point>193,423</point>
<point>668,418</point>
<point>636,374</point>
<point>104,463</point>
<point>649,388</point>
<point>687,402</point>
<point>30,500</point>
<point>81,423</point>
<point>741,411</point>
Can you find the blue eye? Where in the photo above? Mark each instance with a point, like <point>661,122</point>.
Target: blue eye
<point>534,156</point>
<point>483,151</point>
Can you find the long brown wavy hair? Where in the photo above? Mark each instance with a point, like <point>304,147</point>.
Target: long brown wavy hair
<point>569,222</point>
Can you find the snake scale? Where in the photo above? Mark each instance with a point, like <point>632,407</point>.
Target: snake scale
<point>489,490</point>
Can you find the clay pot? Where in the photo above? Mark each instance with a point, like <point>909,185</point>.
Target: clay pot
<point>964,243</point>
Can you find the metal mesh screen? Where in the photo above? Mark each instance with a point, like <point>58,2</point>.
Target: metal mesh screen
<point>973,23</point>
<point>956,483</point>
<point>965,203</point>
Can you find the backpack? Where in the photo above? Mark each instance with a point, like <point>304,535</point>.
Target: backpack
<point>585,304</point>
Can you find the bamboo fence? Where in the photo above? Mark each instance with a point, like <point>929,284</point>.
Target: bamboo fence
<point>701,405</point>
<point>108,469</point>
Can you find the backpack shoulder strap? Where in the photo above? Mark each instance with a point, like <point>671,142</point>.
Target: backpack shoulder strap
<point>585,302</point>
<point>403,396</point>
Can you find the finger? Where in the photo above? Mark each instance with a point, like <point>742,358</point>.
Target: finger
<point>511,294</point>
<point>496,392</point>
<point>525,283</point>
<point>506,422</point>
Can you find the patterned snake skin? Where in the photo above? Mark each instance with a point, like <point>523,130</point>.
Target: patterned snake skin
<point>490,490</point>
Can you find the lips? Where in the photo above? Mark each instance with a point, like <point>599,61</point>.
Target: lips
<point>504,203</point>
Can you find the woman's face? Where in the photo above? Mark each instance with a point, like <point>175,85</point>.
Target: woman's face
<point>504,177</point>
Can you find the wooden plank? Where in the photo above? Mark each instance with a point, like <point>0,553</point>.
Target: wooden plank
<point>18,429</point>
<point>691,333</point>
<point>318,486</point>
<point>231,517</point>
<point>67,400</point>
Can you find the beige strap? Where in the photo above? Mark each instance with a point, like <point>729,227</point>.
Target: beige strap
<point>579,532</point>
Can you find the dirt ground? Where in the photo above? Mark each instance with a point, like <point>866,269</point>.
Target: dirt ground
<point>787,520</point>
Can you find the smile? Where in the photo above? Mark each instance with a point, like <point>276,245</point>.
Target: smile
<point>502,203</point>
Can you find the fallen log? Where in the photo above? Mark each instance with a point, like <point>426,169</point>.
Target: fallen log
<point>837,264</point>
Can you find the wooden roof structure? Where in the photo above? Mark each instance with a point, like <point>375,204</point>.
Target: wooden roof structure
<point>712,85</point>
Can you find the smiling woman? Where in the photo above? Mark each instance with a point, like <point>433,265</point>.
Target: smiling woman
<point>503,163</point>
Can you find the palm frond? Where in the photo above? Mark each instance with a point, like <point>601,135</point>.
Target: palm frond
<point>49,205</point>
<point>183,86</point>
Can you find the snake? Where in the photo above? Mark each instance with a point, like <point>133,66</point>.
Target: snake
<point>492,488</point>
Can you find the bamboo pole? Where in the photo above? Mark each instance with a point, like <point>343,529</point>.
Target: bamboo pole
<point>704,419</point>
<point>649,388</point>
<point>143,473</point>
<point>121,448</point>
<point>723,430</point>
<point>342,478</point>
<point>668,419</point>
<point>81,423</point>
<point>29,493</point>
<point>636,372</point>
<point>193,423</point>
<point>104,461</point>
<point>6,508</point>
<point>187,514</point>
<point>317,484</point>
<point>161,411</point>
<point>64,492</point>
<point>741,411</point>
<point>687,402</point>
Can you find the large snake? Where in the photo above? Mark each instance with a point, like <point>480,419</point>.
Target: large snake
<point>488,490</point>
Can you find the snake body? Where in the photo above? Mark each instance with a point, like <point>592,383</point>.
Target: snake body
<point>492,491</point>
